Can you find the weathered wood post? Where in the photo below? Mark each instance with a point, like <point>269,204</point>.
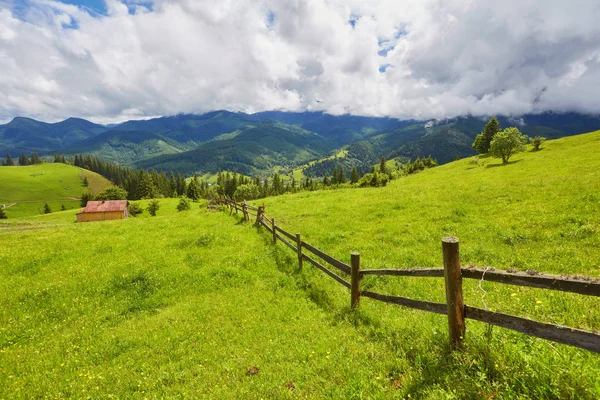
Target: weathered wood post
<point>245,211</point>
<point>299,245</point>
<point>273,226</point>
<point>355,280</point>
<point>259,213</point>
<point>232,207</point>
<point>235,206</point>
<point>454,294</point>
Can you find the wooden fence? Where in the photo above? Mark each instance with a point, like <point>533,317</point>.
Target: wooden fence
<point>452,272</point>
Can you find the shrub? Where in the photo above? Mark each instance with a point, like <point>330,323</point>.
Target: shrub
<point>47,209</point>
<point>373,179</point>
<point>135,209</point>
<point>507,143</point>
<point>537,142</point>
<point>112,193</point>
<point>247,192</point>
<point>2,213</point>
<point>153,207</point>
<point>184,204</point>
<point>85,197</point>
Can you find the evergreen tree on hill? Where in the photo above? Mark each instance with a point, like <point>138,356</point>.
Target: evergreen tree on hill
<point>354,176</point>
<point>341,175</point>
<point>23,160</point>
<point>483,140</point>
<point>9,161</point>
<point>382,167</point>
<point>35,159</point>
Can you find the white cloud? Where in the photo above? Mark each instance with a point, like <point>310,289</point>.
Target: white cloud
<point>445,57</point>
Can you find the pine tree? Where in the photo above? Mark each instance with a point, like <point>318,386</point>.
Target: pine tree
<point>382,167</point>
<point>63,208</point>
<point>35,159</point>
<point>47,209</point>
<point>277,184</point>
<point>193,189</point>
<point>85,197</point>
<point>342,176</point>
<point>354,176</point>
<point>334,176</point>
<point>483,140</point>
<point>9,161</point>
<point>23,160</point>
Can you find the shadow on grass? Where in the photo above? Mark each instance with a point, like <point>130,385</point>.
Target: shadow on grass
<point>503,164</point>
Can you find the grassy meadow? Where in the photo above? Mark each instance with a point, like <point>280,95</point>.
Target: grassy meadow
<point>199,304</point>
<point>53,183</point>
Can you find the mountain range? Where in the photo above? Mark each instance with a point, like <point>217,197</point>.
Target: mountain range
<point>257,143</point>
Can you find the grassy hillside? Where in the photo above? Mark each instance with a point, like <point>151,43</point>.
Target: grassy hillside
<point>185,304</point>
<point>56,184</point>
<point>539,212</point>
<point>182,314</point>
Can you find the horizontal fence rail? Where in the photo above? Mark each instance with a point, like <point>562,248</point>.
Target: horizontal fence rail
<point>431,272</point>
<point>556,333</point>
<point>438,308</point>
<point>327,271</point>
<point>453,273</point>
<point>587,286</point>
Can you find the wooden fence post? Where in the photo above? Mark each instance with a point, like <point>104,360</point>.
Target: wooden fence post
<point>273,226</point>
<point>235,206</point>
<point>299,244</point>
<point>258,216</point>
<point>355,280</point>
<point>454,294</point>
<point>245,211</point>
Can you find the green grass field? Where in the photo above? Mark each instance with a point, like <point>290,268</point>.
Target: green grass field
<point>56,184</point>
<point>185,304</point>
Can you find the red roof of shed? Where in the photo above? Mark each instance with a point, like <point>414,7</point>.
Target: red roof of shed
<point>104,206</point>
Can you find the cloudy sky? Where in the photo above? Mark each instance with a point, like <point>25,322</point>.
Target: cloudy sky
<point>111,60</point>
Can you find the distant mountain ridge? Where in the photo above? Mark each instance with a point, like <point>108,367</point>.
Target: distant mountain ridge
<point>257,143</point>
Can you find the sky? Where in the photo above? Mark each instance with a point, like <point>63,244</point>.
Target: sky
<point>113,60</point>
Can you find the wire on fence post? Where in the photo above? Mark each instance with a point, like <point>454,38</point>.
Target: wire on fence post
<point>454,294</point>
<point>299,244</point>
<point>355,280</point>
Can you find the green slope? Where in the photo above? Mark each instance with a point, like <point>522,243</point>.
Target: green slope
<point>25,189</point>
<point>184,304</point>
<point>126,147</point>
<point>540,212</point>
<point>122,309</point>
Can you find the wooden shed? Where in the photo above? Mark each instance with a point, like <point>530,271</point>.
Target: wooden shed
<point>103,211</point>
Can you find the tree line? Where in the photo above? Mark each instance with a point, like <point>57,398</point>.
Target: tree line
<point>23,160</point>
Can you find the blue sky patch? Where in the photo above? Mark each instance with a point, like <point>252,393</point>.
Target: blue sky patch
<point>383,68</point>
<point>270,18</point>
<point>95,5</point>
